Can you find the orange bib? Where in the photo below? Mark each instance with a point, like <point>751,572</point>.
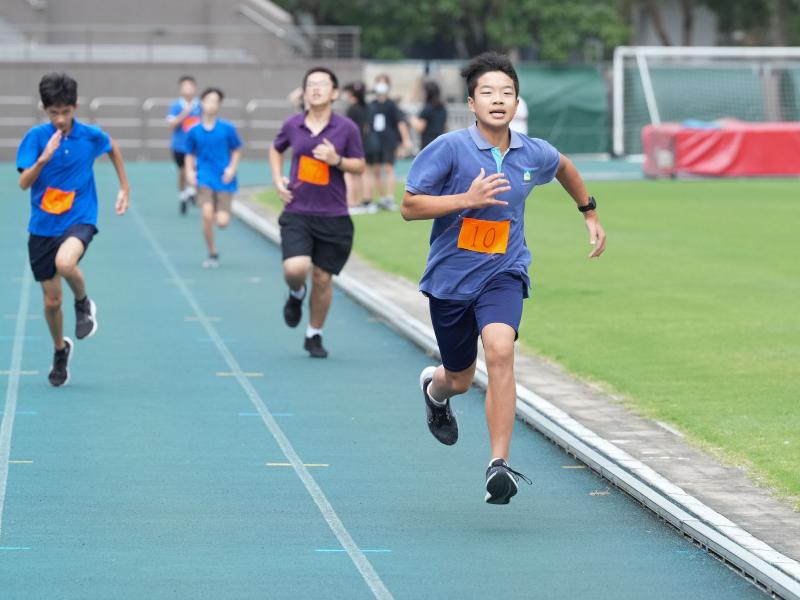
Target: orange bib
<point>488,237</point>
<point>313,171</point>
<point>57,201</point>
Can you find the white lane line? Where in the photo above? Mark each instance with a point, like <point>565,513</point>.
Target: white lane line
<point>12,389</point>
<point>361,562</point>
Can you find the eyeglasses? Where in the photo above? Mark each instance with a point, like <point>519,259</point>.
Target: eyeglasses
<point>318,84</point>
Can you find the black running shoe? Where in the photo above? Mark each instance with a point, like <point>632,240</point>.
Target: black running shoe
<point>59,372</point>
<point>184,206</point>
<point>85,318</point>
<point>441,420</point>
<point>315,348</point>
<point>501,482</point>
<point>293,311</point>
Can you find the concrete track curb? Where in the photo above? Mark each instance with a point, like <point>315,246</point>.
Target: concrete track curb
<point>768,569</point>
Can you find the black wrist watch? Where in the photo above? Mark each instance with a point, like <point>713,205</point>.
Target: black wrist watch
<point>587,207</point>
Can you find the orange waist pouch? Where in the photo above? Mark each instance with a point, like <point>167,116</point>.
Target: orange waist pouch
<point>488,237</point>
<point>57,201</point>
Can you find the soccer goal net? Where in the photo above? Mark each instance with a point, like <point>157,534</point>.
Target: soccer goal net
<point>653,84</point>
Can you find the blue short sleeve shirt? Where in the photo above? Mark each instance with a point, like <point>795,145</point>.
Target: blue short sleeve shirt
<point>64,194</point>
<point>213,149</point>
<point>448,166</point>
<point>181,132</point>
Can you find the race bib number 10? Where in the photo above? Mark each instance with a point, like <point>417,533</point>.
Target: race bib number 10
<point>489,237</point>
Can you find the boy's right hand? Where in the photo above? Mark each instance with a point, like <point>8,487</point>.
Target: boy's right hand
<point>482,192</point>
<point>285,194</point>
<point>52,145</point>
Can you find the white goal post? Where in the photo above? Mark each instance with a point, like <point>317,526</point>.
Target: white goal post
<point>654,84</point>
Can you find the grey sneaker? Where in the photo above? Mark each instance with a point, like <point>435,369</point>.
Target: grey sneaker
<point>85,318</point>
<point>212,262</point>
<point>441,420</point>
<point>59,371</point>
<point>501,482</point>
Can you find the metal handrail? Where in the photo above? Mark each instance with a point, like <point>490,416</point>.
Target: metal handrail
<point>138,116</point>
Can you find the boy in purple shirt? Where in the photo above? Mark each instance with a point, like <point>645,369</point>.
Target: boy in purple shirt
<point>316,229</point>
<point>474,183</point>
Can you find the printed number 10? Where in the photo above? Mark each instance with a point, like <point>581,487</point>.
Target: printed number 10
<point>487,241</point>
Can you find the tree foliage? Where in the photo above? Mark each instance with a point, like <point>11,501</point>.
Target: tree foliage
<point>544,29</point>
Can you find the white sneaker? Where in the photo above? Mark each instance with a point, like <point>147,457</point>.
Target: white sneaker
<point>212,262</point>
<point>387,203</point>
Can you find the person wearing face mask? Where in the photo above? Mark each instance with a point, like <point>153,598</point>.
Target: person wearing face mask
<point>387,131</point>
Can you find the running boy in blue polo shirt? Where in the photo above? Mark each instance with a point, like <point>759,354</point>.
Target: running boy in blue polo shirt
<point>211,161</point>
<point>183,114</point>
<point>55,161</point>
<point>473,182</point>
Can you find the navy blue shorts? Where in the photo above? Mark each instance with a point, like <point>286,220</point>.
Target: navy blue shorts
<point>458,323</point>
<point>42,250</point>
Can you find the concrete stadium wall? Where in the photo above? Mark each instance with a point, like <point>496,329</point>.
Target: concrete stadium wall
<point>126,88</point>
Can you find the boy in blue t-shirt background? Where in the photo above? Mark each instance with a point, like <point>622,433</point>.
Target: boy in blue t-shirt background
<point>55,161</point>
<point>213,153</point>
<point>474,183</point>
<point>183,114</point>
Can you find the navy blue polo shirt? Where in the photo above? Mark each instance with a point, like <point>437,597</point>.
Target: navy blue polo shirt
<point>64,194</point>
<point>447,166</point>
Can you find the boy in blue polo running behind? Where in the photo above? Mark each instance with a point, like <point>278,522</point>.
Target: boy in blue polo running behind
<point>477,271</point>
<point>183,114</point>
<point>211,162</point>
<point>55,161</point>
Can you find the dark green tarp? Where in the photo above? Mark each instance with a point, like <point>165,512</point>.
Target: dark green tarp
<point>568,106</point>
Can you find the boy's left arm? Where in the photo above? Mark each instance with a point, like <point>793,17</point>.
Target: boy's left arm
<point>230,170</point>
<point>571,180</point>
<point>124,188</point>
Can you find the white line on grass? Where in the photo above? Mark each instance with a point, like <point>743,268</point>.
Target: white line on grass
<point>366,569</point>
<point>12,389</point>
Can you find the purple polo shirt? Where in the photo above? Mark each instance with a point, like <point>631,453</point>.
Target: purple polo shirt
<point>318,190</point>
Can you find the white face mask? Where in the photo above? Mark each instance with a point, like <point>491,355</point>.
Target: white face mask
<point>381,88</point>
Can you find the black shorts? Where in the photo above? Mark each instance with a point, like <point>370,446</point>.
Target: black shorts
<point>179,158</point>
<point>42,250</point>
<point>327,240</point>
<point>380,151</point>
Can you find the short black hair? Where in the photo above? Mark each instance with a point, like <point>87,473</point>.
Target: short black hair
<point>187,78</point>
<point>212,90</point>
<point>486,63</point>
<point>58,89</point>
<point>330,73</point>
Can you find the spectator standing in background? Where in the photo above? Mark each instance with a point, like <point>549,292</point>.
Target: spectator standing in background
<point>355,95</point>
<point>432,120</point>
<point>387,131</point>
<point>520,121</point>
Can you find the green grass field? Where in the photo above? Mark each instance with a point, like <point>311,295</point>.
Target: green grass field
<point>692,314</point>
